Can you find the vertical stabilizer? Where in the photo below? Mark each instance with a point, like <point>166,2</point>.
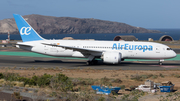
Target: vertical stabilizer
<point>26,31</point>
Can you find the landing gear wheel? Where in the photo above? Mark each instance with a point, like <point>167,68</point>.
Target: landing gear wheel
<point>92,62</point>
<point>160,61</point>
<point>95,62</point>
<point>89,63</point>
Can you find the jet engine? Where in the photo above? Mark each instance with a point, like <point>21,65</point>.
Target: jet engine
<point>111,57</point>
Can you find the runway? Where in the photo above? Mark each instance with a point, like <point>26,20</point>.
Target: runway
<point>46,62</point>
<point>13,57</point>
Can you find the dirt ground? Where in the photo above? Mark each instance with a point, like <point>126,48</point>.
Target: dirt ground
<point>124,75</point>
<point>174,46</point>
<point>9,97</point>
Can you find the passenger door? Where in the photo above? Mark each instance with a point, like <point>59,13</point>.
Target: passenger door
<point>46,48</point>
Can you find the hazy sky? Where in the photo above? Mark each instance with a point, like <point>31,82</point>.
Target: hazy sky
<point>140,13</point>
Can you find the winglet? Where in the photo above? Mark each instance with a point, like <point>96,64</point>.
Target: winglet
<point>26,31</point>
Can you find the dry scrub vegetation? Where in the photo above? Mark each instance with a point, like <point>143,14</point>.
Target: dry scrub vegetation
<point>82,79</point>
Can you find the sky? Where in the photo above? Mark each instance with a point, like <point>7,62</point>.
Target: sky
<point>140,13</point>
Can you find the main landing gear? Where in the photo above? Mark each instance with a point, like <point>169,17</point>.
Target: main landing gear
<point>93,62</point>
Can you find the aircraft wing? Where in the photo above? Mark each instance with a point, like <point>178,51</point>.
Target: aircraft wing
<point>75,48</point>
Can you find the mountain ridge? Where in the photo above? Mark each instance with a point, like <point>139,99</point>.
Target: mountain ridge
<point>70,25</point>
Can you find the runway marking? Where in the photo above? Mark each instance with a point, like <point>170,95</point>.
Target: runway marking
<point>169,66</point>
<point>165,66</point>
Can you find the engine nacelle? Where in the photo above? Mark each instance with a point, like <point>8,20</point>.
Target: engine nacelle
<point>111,57</point>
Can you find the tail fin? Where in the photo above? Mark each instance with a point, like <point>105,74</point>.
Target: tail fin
<point>26,31</point>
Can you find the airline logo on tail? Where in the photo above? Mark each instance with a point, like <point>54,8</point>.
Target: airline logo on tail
<point>25,30</point>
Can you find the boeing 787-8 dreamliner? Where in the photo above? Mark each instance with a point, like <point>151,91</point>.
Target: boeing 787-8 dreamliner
<point>111,52</point>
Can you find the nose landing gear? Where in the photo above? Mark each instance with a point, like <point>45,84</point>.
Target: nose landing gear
<point>160,61</point>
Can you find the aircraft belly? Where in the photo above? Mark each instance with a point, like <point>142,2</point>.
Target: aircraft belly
<point>144,55</point>
<point>67,53</point>
<point>77,54</point>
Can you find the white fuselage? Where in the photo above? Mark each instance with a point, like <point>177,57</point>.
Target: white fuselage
<point>128,49</point>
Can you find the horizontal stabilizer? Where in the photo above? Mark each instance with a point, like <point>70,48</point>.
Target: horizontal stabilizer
<point>23,44</point>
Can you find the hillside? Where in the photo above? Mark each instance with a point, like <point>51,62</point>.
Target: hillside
<point>68,25</point>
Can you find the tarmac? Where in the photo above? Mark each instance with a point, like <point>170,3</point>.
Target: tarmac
<point>23,59</point>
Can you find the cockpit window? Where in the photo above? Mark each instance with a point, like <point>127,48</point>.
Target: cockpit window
<point>169,49</point>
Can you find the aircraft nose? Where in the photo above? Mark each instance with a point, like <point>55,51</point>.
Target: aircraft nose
<point>173,54</point>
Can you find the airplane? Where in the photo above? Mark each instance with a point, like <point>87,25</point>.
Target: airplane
<point>111,52</point>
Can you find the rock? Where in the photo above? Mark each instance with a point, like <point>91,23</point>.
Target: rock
<point>68,25</point>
